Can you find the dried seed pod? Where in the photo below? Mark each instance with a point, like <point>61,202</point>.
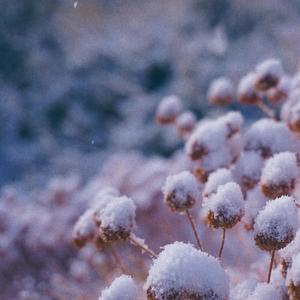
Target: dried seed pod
<point>85,229</point>
<point>279,175</point>
<point>168,110</point>
<point>181,191</point>
<point>182,272</point>
<point>122,288</point>
<point>221,91</point>
<point>247,169</point>
<point>225,208</point>
<point>246,92</point>
<point>280,92</point>
<point>293,279</point>
<point>269,137</point>
<point>275,226</point>
<point>117,219</point>
<point>185,123</point>
<point>268,74</point>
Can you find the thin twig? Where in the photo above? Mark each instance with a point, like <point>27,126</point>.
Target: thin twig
<point>190,218</point>
<point>222,243</point>
<point>117,259</point>
<point>267,110</point>
<point>271,265</point>
<point>136,243</point>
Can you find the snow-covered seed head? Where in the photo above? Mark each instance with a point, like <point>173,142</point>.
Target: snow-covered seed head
<point>85,229</point>
<point>264,291</point>
<point>276,225</point>
<point>269,137</point>
<point>248,168</point>
<point>290,112</point>
<point>117,219</point>
<point>215,179</point>
<point>293,279</point>
<point>233,121</point>
<point>168,110</point>
<point>181,191</point>
<point>185,123</point>
<point>226,207</point>
<point>122,288</point>
<point>287,254</point>
<point>280,92</point>
<point>268,74</point>
<point>279,175</point>
<point>246,92</point>
<point>183,272</point>
<point>221,91</point>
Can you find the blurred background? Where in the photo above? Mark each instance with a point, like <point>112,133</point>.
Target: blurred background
<point>80,81</point>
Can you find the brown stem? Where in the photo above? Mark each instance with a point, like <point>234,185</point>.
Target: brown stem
<point>267,110</point>
<point>117,260</point>
<point>190,218</point>
<point>271,265</point>
<point>136,243</point>
<point>222,243</point>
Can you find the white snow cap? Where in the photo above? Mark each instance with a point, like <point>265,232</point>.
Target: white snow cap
<point>249,165</point>
<point>228,201</point>
<point>264,291</point>
<point>122,288</point>
<point>217,178</point>
<point>181,267</point>
<point>119,213</point>
<point>247,85</point>
<point>292,248</point>
<point>272,67</point>
<point>184,184</point>
<point>267,134</point>
<point>293,274</point>
<point>281,168</point>
<point>243,290</point>
<point>186,120</point>
<point>85,227</point>
<point>233,119</point>
<point>277,218</point>
<point>170,106</point>
<point>221,87</point>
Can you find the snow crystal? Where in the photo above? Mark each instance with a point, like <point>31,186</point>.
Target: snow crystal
<point>293,274</point>
<point>277,219</point>
<point>117,214</point>
<point>217,178</point>
<point>264,291</point>
<point>221,91</point>
<point>228,201</point>
<point>281,168</point>
<point>181,267</point>
<point>183,185</point>
<point>269,137</point>
<point>243,290</point>
<point>122,288</point>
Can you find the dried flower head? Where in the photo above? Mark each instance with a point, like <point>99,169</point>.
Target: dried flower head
<point>181,191</point>
<point>117,219</point>
<point>280,92</point>
<point>168,110</point>
<point>122,288</point>
<point>269,137</point>
<point>221,91</point>
<point>276,225</point>
<point>293,278</point>
<point>182,272</point>
<point>268,74</point>
<point>279,175</point>
<point>185,123</point>
<point>246,91</point>
<point>225,208</point>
